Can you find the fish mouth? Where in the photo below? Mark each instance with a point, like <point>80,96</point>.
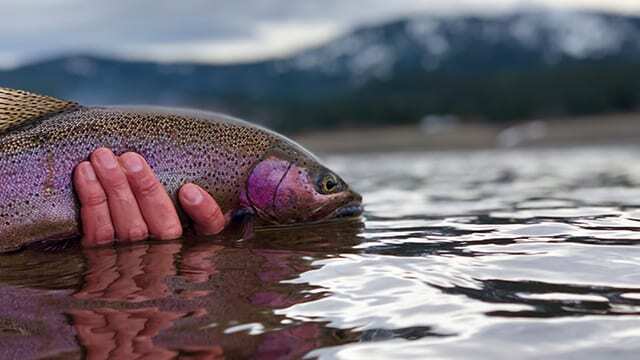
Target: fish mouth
<point>350,210</point>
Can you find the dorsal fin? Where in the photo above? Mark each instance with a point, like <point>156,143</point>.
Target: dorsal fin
<point>18,107</point>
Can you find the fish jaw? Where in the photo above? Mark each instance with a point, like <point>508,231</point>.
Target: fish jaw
<point>351,209</point>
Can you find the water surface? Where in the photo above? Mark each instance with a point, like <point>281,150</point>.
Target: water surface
<point>461,255</point>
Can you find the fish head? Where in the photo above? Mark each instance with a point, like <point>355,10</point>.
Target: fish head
<point>283,191</point>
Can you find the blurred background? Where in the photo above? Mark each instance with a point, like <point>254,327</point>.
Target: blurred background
<point>349,75</point>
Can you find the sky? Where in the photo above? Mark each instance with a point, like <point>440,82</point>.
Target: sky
<point>216,31</point>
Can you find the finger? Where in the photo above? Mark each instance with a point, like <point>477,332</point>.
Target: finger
<point>202,208</point>
<point>154,202</point>
<point>97,228</point>
<point>123,207</point>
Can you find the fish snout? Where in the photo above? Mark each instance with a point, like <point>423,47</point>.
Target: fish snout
<point>352,208</point>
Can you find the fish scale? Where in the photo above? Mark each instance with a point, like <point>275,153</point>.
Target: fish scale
<point>37,158</point>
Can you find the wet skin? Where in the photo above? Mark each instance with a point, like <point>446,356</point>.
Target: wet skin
<point>122,200</point>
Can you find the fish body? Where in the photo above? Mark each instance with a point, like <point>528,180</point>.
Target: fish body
<point>245,167</point>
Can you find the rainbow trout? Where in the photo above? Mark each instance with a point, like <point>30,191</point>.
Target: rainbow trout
<point>247,169</point>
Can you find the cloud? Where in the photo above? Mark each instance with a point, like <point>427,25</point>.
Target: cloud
<point>209,30</point>
<point>269,41</point>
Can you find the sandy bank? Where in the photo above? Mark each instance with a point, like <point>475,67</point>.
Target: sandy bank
<point>603,129</point>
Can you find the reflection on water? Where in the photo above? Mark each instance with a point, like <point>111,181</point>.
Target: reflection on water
<point>461,255</point>
<point>198,298</point>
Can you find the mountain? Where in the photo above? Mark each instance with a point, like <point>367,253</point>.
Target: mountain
<point>473,44</point>
<point>495,68</point>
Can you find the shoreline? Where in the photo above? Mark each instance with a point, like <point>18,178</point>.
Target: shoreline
<point>611,129</point>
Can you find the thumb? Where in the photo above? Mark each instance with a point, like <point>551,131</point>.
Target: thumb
<point>202,209</point>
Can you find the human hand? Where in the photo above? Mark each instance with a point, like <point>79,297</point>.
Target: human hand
<point>122,199</point>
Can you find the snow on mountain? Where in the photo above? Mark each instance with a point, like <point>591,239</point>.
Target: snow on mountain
<point>575,34</point>
<point>360,54</point>
<point>432,42</point>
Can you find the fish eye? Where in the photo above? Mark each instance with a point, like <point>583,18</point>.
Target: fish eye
<point>329,184</point>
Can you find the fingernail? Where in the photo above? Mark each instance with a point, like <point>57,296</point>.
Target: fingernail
<point>86,170</point>
<point>192,194</point>
<point>106,159</point>
<point>132,163</point>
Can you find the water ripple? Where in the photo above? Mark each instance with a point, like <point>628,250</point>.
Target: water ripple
<point>530,253</point>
